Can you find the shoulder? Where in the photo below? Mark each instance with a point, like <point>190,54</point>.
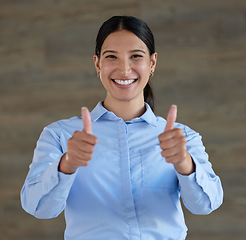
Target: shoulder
<point>67,125</point>
<point>188,132</point>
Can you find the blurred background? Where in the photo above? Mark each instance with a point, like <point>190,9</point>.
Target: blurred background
<point>47,73</point>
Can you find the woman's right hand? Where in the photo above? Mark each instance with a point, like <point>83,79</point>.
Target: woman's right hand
<point>80,147</point>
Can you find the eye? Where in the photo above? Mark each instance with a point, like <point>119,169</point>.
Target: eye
<point>111,56</point>
<point>136,56</point>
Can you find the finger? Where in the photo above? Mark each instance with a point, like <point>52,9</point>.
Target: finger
<point>82,137</point>
<point>86,117</point>
<point>167,153</point>
<point>174,134</point>
<point>168,144</point>
<point>171,118</point>
<point>85,147</point>
<point>76,156</point>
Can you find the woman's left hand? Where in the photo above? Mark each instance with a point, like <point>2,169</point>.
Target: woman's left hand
<point>173,145</point>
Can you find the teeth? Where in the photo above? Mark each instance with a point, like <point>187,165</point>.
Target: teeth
<point>124,82</point>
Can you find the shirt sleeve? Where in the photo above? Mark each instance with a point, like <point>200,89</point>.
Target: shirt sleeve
<point>201,191</point>
<point>45,190</point>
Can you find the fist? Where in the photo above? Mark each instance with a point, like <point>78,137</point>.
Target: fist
<point>173,145</point>
<point>80,146</point>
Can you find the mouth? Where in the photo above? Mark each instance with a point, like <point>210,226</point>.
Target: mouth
<point>124,82</point>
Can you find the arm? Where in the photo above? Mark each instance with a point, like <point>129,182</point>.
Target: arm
<point>201,191</point>
<point>45,190</point>
<point>200,188</point>
<point>52,172</point>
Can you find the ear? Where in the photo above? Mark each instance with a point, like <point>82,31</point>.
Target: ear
<point>97,63</point>
<point>153,61</point>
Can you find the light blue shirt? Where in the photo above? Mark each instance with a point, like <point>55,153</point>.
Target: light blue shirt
<point>128,191</point>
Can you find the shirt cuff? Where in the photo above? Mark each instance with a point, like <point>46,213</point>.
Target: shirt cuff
<point>58,180</point>
<point>194,181</point>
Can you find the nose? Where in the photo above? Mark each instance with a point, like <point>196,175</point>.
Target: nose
<point>125,67</point>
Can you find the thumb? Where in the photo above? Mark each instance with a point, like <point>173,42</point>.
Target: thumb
<point>86,117</point>
<point>171,118</point>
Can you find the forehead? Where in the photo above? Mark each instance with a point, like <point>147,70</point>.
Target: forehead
<point>123,40</point>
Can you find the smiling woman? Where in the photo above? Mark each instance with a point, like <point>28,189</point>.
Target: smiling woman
<point>124,67</point>
<point>122,176</point>
<point>139,29</point>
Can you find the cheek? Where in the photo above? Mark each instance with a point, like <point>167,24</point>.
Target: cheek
<point>143,65</point>
<point>106,68</point>
<point>143,68</point>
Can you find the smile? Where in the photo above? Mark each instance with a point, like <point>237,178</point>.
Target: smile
<point>124,82</point>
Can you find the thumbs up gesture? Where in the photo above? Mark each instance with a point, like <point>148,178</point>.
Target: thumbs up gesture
<point>173,145</point>
<point>79,147</point>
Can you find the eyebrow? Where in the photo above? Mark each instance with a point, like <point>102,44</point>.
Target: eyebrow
<point>138,50</point>
<point>132,51</point>
<point>108,51</point>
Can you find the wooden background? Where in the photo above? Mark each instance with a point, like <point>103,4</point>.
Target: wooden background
<point>47,73</point>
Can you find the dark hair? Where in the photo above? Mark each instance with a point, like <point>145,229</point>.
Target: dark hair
<point>140,29</point>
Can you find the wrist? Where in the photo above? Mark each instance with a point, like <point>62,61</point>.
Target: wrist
<point>185,167</point>
<point>65,167</point>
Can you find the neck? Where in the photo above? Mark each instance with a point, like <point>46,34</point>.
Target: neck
<point>127,110</point>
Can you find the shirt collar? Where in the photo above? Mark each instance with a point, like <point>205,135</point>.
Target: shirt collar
<point>149,116</point>
<point>100,112</point>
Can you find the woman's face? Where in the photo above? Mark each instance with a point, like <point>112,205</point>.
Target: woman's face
<point>124,66</point>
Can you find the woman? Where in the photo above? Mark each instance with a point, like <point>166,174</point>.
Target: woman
<point>122,176</point>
